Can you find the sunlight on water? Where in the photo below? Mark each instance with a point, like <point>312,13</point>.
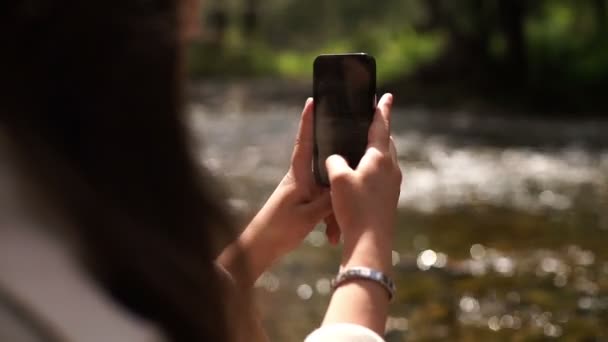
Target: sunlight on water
<point>503,230</point>
<point>478,251</point>
<point>323,286</point>
<point>439,172</point>
<point>397,323</point>
<point>426,259</point>
<point>269,282</point>
<point>305,291</point>
<point>521,178</point>
<point>469,304</point>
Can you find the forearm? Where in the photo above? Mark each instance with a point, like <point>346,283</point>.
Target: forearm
<point>359,302</point>
<point>362,301</point>
<point>278,228</point>
<point>248,257</point>
<point>241,309</point>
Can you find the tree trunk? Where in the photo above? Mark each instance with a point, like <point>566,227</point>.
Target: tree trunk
<point>481,34</point>
<point>435,14</point>
<point>601,16</point>
<point>250,18</point>
<point>512,16</point>
<point>218,22</point>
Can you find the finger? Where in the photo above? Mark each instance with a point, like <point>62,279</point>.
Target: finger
<point>393,151</point>
<point>333,229</point>
<point>337,167</point>
<point>379,131</point>
<point>301,159</point>
<point>319,208</point>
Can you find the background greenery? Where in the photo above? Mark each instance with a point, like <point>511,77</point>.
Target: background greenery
<point>542,53</point>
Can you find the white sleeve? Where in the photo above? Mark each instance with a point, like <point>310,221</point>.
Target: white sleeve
<point>343,332</point>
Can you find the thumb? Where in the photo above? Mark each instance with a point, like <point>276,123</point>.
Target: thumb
<point>319,208</point>
<point>337,167</point>
<point>332,230</point>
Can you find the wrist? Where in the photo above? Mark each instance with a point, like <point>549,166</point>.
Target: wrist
<point>359,302</point>
<point>359,273</point>
<point>369,250</point>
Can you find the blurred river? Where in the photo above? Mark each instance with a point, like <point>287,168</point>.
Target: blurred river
<point>503,223</point>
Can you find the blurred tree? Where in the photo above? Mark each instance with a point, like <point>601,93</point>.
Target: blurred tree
<point>250,18</point>
<point>498,46</point>
<point>469,26</point>
<point>512,17</point>
<point>218,23</point>
<point>601,13</point>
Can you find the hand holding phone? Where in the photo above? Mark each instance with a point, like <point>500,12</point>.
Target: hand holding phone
<point>364,200</point>
<point>344,90</point>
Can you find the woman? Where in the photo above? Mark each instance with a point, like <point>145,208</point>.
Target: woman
<point>108,228</point>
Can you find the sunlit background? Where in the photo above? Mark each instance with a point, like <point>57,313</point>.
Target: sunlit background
<point>501,129</point>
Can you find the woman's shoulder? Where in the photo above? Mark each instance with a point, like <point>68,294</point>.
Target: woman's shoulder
<point>17,326</point>
<point>343,332</point>
<point>45,295</point>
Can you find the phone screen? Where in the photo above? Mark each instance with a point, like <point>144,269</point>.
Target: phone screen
<point>344,89</point>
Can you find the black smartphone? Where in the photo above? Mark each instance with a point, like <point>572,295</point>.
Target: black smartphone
<point>344,91</point>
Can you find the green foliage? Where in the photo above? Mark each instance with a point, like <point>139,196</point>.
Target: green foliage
<point>565,45</point>
<point>206,60</point>
<point>397,53</point>
<point>568,56</point>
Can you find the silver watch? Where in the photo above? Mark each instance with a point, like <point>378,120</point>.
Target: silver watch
<point>368,274</point>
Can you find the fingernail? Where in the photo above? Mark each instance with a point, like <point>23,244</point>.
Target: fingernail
<point>308,101</point>
<point>389,98</point>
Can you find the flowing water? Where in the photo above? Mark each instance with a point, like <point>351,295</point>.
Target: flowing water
<point>502,230</point>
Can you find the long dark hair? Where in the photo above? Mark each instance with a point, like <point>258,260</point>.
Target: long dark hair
<point>91,96</point>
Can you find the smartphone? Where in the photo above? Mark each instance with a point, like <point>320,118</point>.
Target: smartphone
<point>344,91</point>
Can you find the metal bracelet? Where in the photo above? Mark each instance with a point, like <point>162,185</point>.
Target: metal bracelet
<point>365,273</point>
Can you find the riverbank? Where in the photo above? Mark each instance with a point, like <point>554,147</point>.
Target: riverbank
<point>252,94</point>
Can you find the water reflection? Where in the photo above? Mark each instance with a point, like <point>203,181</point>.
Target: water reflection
<point>317,238</point>
<point>441,261</point>
<point>504,266</point>
<point>552,330</point>
<point>440,172</point>
<point>268,282</point>
<point>477,251</point>
<point>305,291</point>
<point>494,323</point>
<point>395,258</point>
<point>323,286</point>
<point>397,323</point>
<point>499,233</point>
<point>420,242</point>
<point>469,304</point>
<point>426,259</point>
